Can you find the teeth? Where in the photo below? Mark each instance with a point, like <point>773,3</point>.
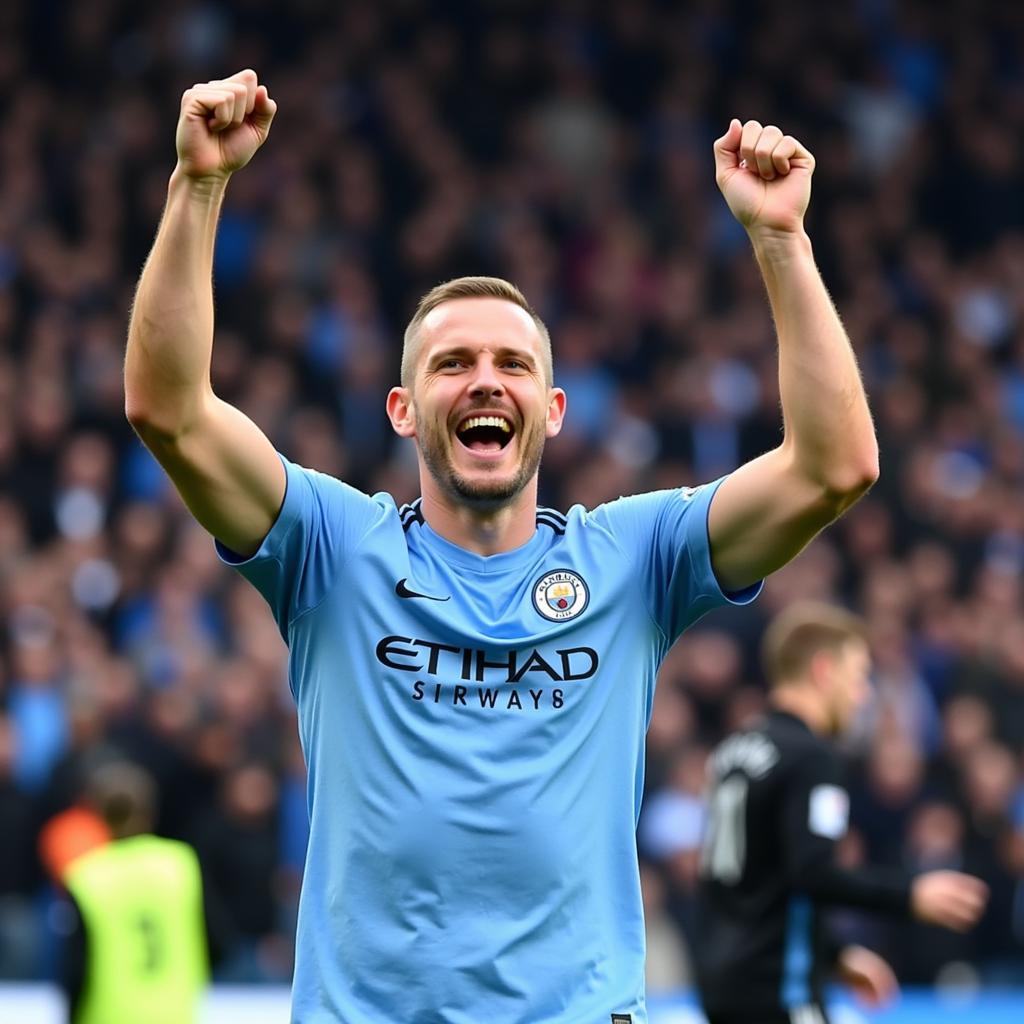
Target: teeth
<point>486,421</point>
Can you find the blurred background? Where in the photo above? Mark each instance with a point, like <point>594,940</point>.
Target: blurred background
<point>566,146</point>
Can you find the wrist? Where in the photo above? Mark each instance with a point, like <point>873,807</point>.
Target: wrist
<point>777,245</point>
<point>205,187</point>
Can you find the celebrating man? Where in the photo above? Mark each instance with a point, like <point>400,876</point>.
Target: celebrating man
<point>474,674</point>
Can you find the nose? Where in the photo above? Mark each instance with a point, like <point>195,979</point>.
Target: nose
<point>485,381</point>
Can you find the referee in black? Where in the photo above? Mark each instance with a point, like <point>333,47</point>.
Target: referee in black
<point>777,809</point>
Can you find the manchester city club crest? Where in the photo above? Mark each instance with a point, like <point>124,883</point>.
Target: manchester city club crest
<point>560,595</point>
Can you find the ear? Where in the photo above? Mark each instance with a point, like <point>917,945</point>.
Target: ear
<point>820,669</point>
<point>401,412</point>
<point>556,412</point>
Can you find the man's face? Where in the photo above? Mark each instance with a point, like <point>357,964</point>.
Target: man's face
<point>480,407</point>
<point>849,686</point>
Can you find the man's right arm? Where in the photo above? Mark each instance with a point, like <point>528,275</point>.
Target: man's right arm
<point>222,464</point>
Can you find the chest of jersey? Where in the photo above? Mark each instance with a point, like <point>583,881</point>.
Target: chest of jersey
<point>535,636</point>
<point>457,718</point>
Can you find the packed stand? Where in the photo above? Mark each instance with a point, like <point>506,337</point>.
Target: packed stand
<point>570,152</point>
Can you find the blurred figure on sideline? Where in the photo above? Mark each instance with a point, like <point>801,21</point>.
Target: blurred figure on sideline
<point>777,811</point>
<point>138,949</point>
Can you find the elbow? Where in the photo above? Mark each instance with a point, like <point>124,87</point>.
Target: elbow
<point>142,419</point>
<point>830,493</point>
<point>844,476</point>
<point>162,414</point>
<point>155,427</point>
<point>836,482</point>
<point>851,481</point>
<point>138,404</point>
<point>134,412</point>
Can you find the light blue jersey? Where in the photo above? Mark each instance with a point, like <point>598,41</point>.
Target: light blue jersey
<point>474,731</point>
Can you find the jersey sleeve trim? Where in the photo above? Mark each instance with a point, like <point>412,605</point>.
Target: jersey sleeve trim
<point>300,561</point>
<point>700,556</point>
<point>288,515</point>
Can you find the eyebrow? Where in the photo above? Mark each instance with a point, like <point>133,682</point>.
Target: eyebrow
<point>501,352</point>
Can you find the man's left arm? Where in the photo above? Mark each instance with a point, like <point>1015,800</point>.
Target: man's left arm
<point>765,512</point>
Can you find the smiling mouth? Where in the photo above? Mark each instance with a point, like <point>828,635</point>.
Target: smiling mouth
<point>484,433</point>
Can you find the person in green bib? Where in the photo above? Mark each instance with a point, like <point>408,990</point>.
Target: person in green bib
<point>139,897</point>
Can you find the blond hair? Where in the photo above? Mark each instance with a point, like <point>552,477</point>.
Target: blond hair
<point>469,288</point>
<point>800,632</point>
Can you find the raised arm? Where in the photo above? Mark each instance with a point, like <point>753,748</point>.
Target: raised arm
<point>222,464</point>
<point>766,511</point>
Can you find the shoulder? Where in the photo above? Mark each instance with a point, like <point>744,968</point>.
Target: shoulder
<point>754,752</point>
<point>627,509</point>
<point>668,497</point>
<point>806,754</point>
<point>328,505</point>
<point>666,512</point>
<point>313,483</point>
<point>585,530</point>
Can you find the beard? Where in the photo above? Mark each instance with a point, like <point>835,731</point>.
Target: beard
<point>837,725</point>
<point>841,719</point>
<point>481,493</point>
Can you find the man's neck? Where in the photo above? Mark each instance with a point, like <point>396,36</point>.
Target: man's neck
<point>483,531</point>
<point>803,703</point>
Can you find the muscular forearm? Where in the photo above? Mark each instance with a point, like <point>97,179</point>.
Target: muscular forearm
<point>827,422</point>
<point>170,336</point>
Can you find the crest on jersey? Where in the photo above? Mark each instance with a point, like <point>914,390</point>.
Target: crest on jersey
<point>560,595</point>
<point>829,811</point>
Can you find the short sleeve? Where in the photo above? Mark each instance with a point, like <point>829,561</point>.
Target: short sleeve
<point>665,534</point>
<point>321,520</point>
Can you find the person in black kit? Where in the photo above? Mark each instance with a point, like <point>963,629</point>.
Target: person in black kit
<point>777,809</point>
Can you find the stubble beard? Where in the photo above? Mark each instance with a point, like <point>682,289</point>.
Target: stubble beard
<point>482,493</point>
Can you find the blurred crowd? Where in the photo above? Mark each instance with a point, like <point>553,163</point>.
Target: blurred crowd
<point>566,146</point>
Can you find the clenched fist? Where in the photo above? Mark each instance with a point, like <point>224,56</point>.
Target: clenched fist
<point>764,175</point>
<point>222,124</point>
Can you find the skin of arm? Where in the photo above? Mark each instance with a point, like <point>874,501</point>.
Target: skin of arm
<point>221,463</point>
<point>766,511</point>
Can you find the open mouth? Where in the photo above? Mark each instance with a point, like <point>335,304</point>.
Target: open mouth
<point>485,433</point>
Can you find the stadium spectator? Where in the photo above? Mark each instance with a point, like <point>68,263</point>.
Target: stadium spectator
<point>238,845</point>
<point>19,872</point>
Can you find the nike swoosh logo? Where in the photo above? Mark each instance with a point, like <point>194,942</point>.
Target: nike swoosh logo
<point>403,591</point>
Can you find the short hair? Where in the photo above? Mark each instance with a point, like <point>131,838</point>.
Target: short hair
<point>800,632</point>
<point>469,288</point>
<point>124,796</point>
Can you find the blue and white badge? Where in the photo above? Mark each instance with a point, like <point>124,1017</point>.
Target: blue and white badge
<point>560,595</point>
<point>829,811</point>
